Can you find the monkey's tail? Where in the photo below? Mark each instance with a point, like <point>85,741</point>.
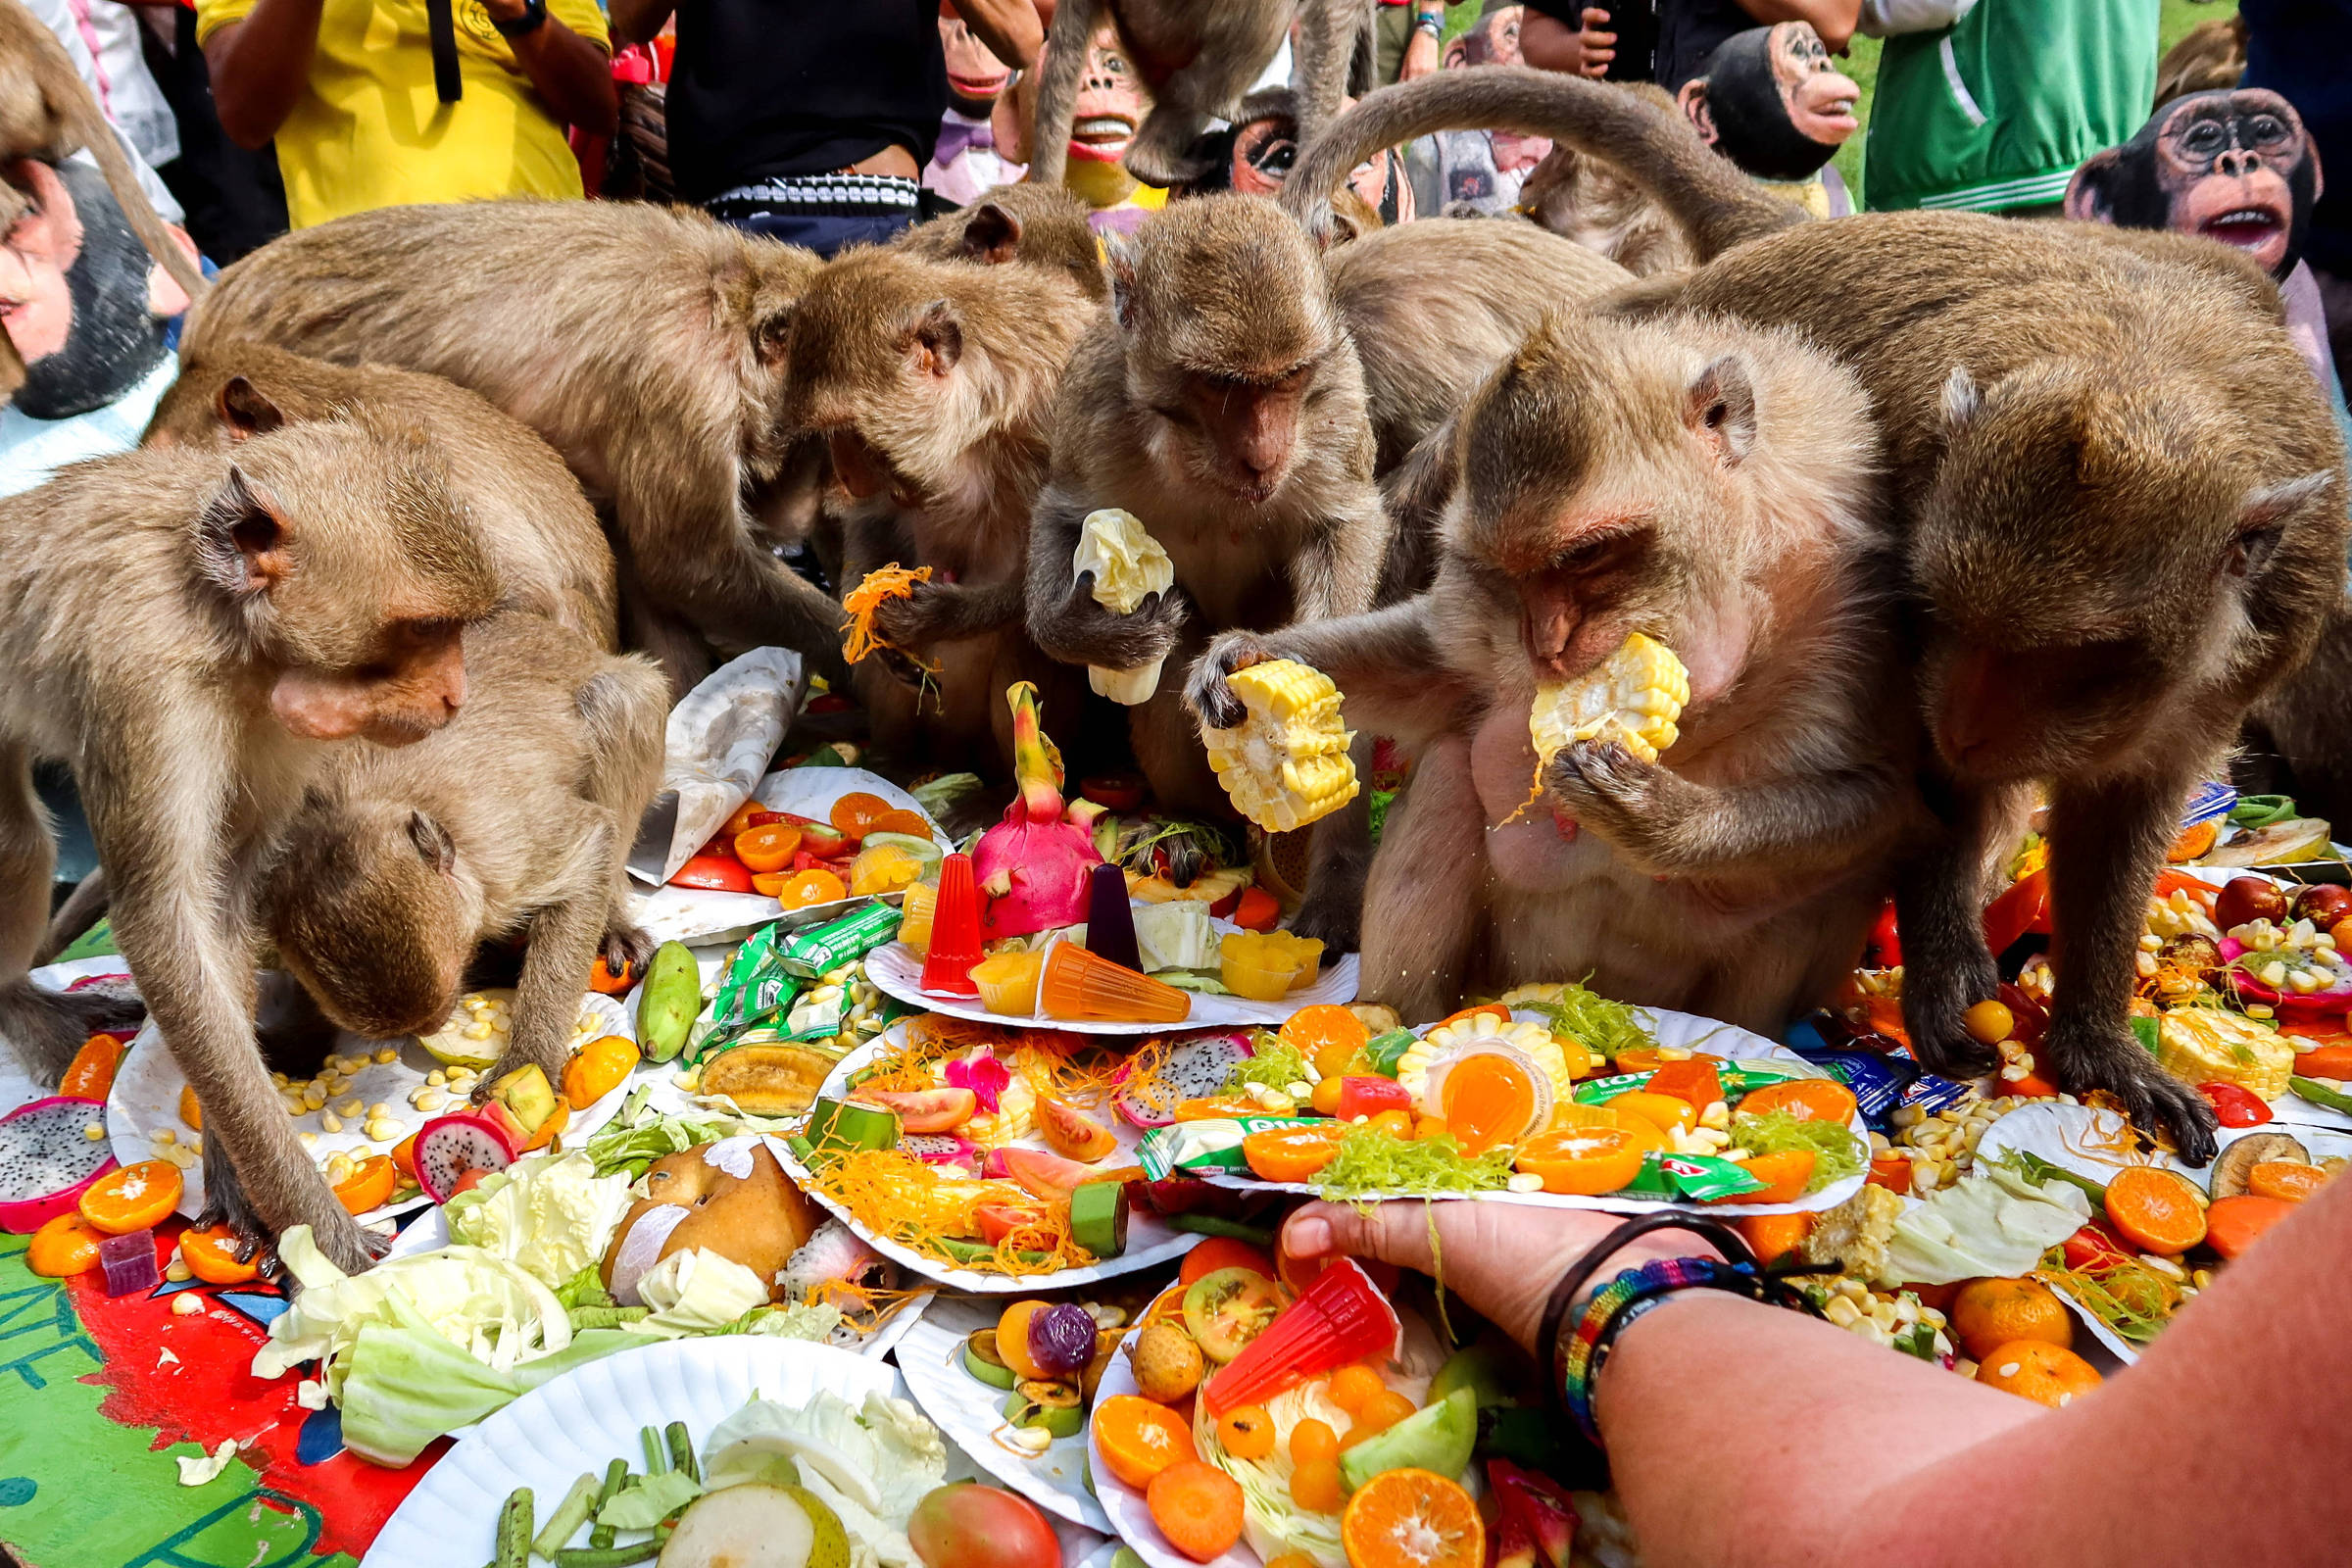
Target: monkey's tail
<point>130,195</point>
<point>1717,206</point>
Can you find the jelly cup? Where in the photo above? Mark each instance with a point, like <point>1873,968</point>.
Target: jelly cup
<point>1083,986</point>
<point>955,931</point>
<point>1109,921</point>
<point>1268,965</point>
<point>1007,982</point>
<point>1342,1317</point>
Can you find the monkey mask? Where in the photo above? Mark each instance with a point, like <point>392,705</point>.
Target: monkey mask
<point>976,77</point>
<point>1771,102</point>
<point>2234,166</point>
<point>85,305</point>
<point>1253,156</point>
<point>1111,103</point>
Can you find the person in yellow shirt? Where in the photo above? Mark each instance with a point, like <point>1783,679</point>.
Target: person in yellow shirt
<point>379,103</point>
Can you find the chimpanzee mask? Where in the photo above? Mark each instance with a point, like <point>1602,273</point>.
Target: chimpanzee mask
<point>2234,166</point>
<point>1772,103</point>
<point>84,302</point>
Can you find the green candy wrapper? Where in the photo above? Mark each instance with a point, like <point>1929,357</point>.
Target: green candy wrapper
<point>1650,1183</point>
<point>818,949</point>
<point>1737,1077</point>
<point>1207,1145</point>
<point>1704,1179</point>
<point>755,990</point>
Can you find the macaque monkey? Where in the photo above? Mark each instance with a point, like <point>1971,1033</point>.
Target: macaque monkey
<point>1220,402</point>
<point>512,823</point>
<point>526,509</point>
<point>1715,487</point>
<point>47,113</point>
<point>1039,225</point>
<point>193,631</point>
<point>933,384</point>
<point>1199,58</point>
<point>2119,498</point>
<point>645,345</point>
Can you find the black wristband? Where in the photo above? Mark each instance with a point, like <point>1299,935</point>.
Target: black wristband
<point>534,17</point>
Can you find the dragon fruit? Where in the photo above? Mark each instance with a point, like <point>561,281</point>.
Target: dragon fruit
<point>451,1148</point>
<point>937,1148</point>
<point>1534,1515</point>
<point>1193,1069</point>
<point>1033,865</point>
<point>48,1160</point>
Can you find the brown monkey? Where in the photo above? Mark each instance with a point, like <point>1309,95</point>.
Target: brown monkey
<point>2119,498</point>
<point>934,383</point>
<point>526,509</point>
<point>1585,199</point>
<point>1041,226</point>
<point>513,823</point>
<point>1200,59</point>
<point>46,112</point>
<point>1710,485</point>
<point>645,345</point>
<point>189,629</point>
<point>1220,402</point>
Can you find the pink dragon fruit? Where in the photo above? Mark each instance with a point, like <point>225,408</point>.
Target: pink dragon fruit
<point>454,1147</point>
<point>1031,866</point>
<point>48,1160</point>
<point>1193,1071</point>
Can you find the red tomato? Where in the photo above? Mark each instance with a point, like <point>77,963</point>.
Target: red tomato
<point>1886,940</point>
<point>728,875</point>
<point>2092,1248</point>
<point>2234,1106</point>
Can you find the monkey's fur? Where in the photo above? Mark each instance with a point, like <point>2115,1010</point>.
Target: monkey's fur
<point>934,385</point>
<point>1220,402</point>
<point>197,633</point>
<point>510,825</point>
<point>1582,198</point>
<point>46,112</point>
<point>1199,59</point>
<point>645,345</point>
<point>1037,225</point>
<point>2120,502</point>
<point>1715,487</point>
<point>526,509</point>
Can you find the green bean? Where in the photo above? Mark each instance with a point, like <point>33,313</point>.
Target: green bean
<point>569,1515</point>
<point>681,1451</point>
<point>515,1530</point>
<point>657,1457</point>
<point>608,1557</point>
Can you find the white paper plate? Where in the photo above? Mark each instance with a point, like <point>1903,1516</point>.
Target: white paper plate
<point>17,1087</point>
<point>1151,1241</point>
<point>583,1420</point>
<point>972,1414</point>
<point>697,915</point>
<point>896,970</point>
<point>1690,1032</point>
<point>146,1096</point>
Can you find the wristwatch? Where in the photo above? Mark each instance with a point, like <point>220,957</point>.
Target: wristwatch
<point>1432,22</point>
<point>534,15</point>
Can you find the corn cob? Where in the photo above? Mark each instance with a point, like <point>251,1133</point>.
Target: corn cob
<point>1633,698</point>
<point>1286,764</point>
<point>2205,1044</point>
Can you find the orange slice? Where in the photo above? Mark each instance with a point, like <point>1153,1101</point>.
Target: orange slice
<point>135,1197</point>
<point>1412,1519</point>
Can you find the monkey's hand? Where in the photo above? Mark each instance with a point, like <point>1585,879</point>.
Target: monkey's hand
<point>1082,632</point>
<point>339,1236</point>
<point>932,611</point>
<point>1206,691</point>
<point>2085,1058</point>
<point>1650,814</point>
<point>625,946</point>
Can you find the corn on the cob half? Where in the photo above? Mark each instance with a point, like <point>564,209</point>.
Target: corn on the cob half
<point>1633,698</point>
<point>1286,764</point>
<point>2205,1044</point>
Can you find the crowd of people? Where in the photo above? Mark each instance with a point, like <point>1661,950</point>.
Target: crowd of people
<point>849,124</point>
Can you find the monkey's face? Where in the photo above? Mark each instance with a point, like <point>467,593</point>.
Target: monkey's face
<point>1240,434</point>
<point>370,914</point>
<point>878,370</point>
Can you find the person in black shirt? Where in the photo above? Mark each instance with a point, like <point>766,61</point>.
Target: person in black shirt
<point>811,120</point>
<point>1665,41</point>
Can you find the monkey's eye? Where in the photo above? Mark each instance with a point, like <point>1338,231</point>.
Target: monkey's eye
<point>2265,131</point>
<point>2205,137</point>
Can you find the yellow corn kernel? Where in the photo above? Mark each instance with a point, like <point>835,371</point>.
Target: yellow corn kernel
<point>2205,1044</point>
<point>1633,698</point>
<point>1286,764</point>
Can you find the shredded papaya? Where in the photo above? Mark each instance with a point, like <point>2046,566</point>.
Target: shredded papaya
<point>903,1199</point>
<point>881,584</point>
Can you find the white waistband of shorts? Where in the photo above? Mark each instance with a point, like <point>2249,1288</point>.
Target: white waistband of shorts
<point>874,192</point>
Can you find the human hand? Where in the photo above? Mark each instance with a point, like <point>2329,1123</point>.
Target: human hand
<point>505,10</point>
<point>1420,57</point>
<point>1502,1258</point>
<point>1599,44</point>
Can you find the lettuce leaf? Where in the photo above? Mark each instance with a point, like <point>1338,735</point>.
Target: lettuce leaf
<point>652,1499</point>
<point>1996,1224</point>
<point>870,1464</point>
<point>695,1291</point>
<point>551,1215</point>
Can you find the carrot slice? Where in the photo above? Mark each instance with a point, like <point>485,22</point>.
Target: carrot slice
<point>1805,1098</point>
<point>2155,1211</point>
<point>2234,1224</point>
<point>2329,1061</point>
<point>1198,1507</point>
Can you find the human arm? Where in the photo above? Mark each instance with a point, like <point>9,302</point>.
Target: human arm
<point>1550,44</point>
<point>1010,28</point>
<point>572,72</point>
<point>1421,49</point>
<point>258,64</point>
<point>1884,19</point>
<point>1834,20</point>
<point>638,21</point>
<point>1742,1434</point>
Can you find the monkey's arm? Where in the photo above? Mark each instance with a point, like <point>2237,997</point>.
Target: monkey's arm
<point>1063,618</point>
<point>1385,663</point>
<point>625,706</point>
<point>1057,89</point>
<point>1809,826</point>
<point>949,612</point>
<point>564,932</point>
<point>1338,569</point>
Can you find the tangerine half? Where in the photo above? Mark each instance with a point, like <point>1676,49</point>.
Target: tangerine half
<point>1412,1519</point>
<point>2046,1374</point>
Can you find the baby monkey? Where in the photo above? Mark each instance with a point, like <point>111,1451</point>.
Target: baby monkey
<point>1711,486</point>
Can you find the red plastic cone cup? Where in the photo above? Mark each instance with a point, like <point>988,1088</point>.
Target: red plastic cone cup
<point>955,931</point>
<point>1340,1318</point>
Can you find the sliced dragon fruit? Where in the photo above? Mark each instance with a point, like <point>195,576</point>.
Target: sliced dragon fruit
<point>2289,1006</point>
<point>451,1148</point>
<point>938,1148</point>
<point>48,1160</point>
<point>1193,1071</point>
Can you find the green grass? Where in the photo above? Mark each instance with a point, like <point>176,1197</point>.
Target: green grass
<point>2175,20</point>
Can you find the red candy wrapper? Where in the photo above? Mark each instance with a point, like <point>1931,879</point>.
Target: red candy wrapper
<point>1340,1318</point>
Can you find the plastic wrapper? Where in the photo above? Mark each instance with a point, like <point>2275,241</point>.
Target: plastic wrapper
<point>715,751</point>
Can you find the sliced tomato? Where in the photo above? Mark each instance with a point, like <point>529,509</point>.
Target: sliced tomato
<point>728,875</point>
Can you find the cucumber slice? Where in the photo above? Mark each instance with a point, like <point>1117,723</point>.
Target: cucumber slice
<point>1057,1420</point>
<point>981,1360</point>
<point>1098,1217</point>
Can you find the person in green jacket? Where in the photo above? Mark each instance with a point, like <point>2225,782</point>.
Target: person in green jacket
<point>1988,105</point>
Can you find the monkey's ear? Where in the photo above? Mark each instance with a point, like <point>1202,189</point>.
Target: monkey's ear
<point>769,335</point>
<point>240,542</point>
<point>1961,400</point>
<point>935,338</point>
<point>2089,196</point>
<point>993,237</point>
<point>434,846</point>
<point>2262,519</point>
<point>245,409</point>
<point>1721,406</point>
<point>1118,256</point>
